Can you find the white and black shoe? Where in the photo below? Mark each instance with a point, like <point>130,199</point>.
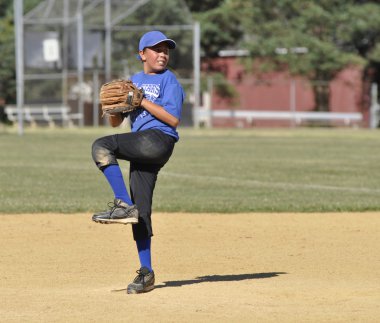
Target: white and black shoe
<point>119,212</point>
<point>143,283</point>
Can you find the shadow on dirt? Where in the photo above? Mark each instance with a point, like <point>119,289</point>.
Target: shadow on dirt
<point>212,278</point>
<point>218,278</point>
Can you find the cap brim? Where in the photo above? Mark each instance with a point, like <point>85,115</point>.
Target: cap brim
<point>170,42</point>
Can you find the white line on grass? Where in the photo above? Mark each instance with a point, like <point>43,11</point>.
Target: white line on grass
<point>254,183</point>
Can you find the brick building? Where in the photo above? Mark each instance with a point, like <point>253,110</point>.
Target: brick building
<point>282,94</point>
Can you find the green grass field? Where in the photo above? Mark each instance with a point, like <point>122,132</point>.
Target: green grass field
<point>271,170</point>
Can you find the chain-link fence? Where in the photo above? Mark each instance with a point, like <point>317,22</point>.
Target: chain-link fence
<point>71,47</point>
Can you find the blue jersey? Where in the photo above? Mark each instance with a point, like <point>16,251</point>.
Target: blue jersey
<point>162,89</point>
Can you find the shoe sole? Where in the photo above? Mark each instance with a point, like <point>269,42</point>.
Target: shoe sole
<point>117,221</point>
<point>146,290</point>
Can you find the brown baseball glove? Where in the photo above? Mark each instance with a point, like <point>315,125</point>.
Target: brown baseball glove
<point>120,96</point>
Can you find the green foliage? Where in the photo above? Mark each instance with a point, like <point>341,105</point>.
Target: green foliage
<point>335,34</point>
<point>316,26</point>
<point>299,170</point>
<point>374,54</point>
<point>220,28</point>
<point>360,29</point>
<point>201,6</point>
<point>7,62</point>
<point>7,48</point>
<point>224,89</point>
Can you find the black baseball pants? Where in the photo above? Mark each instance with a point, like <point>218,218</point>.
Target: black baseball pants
<point>147,151</point>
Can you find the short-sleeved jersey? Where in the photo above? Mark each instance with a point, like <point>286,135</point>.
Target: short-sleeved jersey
<point>162,89</point>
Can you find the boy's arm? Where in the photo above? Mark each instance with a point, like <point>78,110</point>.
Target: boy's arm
<point>160,113</point>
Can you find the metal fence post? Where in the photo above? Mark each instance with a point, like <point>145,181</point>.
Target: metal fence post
<point>19,38</point>
<point>375,108</point>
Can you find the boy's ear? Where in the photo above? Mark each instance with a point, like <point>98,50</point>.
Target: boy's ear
<point>142,55</point>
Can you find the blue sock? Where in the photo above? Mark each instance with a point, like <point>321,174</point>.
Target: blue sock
<point>115,179</point>
<point>143,247</point>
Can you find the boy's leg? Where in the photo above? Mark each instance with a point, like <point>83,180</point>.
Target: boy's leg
<point>144,251</point>
<point>142,181</point>
<point>122,211</point>
<point>146,147</point>
<point>104,155</point>
<point>116,181</point>
<point>147,152</point>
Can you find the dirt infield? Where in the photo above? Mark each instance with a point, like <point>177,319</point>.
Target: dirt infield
<point>209,268</point>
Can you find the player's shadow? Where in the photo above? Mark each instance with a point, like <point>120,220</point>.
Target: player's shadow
<point>218,278</point>
<point>213,278</point>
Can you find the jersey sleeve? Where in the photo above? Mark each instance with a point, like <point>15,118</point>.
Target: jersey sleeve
<point>173,99</point>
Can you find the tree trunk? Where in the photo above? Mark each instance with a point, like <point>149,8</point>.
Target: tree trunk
<point>321,91</point>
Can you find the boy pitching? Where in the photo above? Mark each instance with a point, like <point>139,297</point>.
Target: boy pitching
<point>147,147</point>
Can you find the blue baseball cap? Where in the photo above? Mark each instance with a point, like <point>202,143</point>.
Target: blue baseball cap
<point>153,38</point>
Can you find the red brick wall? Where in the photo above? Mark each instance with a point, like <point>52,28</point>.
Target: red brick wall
<point>273,92</point>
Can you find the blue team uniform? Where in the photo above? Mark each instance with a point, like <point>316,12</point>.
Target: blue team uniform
<point>162,89</point>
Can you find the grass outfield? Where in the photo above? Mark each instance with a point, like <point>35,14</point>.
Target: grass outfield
<point>271,170</point>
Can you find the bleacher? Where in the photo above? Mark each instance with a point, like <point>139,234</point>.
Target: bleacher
<point>49,115</point>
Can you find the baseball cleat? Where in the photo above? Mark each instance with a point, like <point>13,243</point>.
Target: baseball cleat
<point>143,283</point>
<point>119,212</point>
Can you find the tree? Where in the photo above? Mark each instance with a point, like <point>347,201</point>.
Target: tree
<point>220,24</point>
<point>7,49</point>
<point>197,6</point>
<point>7,70</point>
<point>316,39</point>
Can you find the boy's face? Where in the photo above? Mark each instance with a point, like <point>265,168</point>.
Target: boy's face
<point>155,58</point>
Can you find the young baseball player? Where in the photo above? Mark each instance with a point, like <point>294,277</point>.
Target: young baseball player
<point>147,147</point>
